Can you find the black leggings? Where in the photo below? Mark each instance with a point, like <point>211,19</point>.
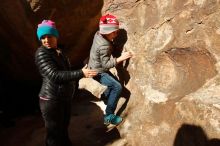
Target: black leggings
<point>56,115</point>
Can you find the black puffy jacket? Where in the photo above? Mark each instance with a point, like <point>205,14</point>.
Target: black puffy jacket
<point>58,80</point>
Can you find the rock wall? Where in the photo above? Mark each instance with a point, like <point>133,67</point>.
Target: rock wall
<point>174,76</point>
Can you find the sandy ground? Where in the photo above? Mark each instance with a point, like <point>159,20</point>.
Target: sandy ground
<point>86,126</point>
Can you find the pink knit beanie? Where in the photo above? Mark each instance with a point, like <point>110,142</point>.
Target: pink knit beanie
<point>108,24</point>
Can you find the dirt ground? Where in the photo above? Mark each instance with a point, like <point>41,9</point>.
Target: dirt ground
<point>86,126</point>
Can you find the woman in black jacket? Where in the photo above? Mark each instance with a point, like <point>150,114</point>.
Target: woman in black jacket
<point>58,85</point>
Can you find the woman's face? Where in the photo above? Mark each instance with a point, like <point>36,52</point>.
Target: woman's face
<point>49,41</point>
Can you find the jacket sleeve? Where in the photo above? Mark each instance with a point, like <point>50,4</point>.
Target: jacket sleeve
<point>106,58</point>
<point>48,68</point>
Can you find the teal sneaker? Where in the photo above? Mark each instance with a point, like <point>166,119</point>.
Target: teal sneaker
<point>112,119</point>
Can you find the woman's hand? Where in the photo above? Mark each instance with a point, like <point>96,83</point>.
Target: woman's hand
<point>88,73</point>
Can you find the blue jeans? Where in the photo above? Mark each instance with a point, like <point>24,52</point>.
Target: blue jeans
<point>112,92</point>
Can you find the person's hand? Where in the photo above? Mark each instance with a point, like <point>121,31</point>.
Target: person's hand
<point>88,73</point>
<point>124,56</point>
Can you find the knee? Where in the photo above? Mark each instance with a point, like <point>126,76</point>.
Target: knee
<point>118,87</point>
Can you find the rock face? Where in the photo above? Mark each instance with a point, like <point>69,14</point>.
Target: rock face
<point>174,74</point>
<point>171,84</point>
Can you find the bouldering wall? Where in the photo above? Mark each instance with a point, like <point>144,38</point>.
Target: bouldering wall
<point>174,74</point>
